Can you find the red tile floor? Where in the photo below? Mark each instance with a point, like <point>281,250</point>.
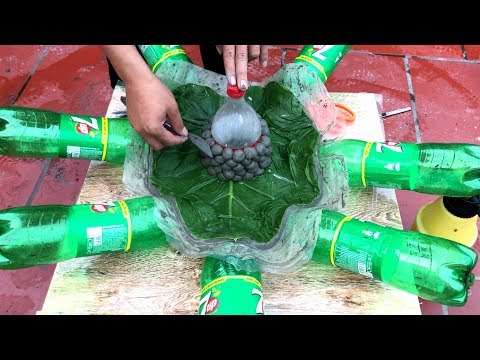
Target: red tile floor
<point>439,82</point>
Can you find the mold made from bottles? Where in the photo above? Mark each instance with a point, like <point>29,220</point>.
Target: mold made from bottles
<point>212,207</point>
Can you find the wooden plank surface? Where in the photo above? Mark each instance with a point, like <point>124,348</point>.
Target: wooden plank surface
<point>163,281</point>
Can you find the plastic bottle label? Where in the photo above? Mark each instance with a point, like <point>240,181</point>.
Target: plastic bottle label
<point>354,252</point>
<point>232,295</point>
<point>354,260</point>
<point>155,55</point>
<point>83,137</point>
<point>382,162</point>
<point>322,58</point>
<point>100,228</point>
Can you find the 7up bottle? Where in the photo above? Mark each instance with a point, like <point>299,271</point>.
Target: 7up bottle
<point>305,76</point>
<point>322,59</point>
<point>170,64</point>
<point>156,55</point>
<point>430,267</point>
<point>35,235</point>
<point>314,63</point>
<point>228,291</point>
<point>26,132</point>
<point>431,168</point>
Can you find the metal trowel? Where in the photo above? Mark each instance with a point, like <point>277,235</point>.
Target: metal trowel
<point>198,141</point>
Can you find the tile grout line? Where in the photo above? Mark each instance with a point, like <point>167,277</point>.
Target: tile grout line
<point>435,58</point>
<point>284,56</point>
<point>34,68</point>
<point>47,164</point>
<point>422,57</point>
<point>39,182</point>
<point>361,52</point>
<point>445,309</point>
<point>412,100</point>
<point>464,52</point>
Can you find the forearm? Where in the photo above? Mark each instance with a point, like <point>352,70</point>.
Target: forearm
<point>128,63</point>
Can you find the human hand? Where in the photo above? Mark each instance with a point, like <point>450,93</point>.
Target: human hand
<point>236,58</point>
<point>149,104</point>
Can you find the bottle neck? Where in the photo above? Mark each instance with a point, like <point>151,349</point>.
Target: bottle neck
<point>234,100</point>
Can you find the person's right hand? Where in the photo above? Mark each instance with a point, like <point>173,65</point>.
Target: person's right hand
<point>149,104</point>
<point>236,58</point>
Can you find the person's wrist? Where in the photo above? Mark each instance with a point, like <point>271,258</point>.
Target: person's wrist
<point>140,78</point>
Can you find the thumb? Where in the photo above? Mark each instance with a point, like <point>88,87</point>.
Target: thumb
<point>176,121</point>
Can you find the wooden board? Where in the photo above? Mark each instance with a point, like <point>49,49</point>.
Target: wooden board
<point>163,281</point>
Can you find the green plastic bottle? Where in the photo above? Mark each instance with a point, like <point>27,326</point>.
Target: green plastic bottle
<point>430,267</point>
<point>313,65</point>
<point>155,55</point>
<point>322,59</point>
<point>228,291</point>
<point>171,64</point>
<point>450,169</point>
<point>35,235</point>
<point>27,132</point>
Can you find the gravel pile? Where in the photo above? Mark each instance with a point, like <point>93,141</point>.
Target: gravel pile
<point>238,164</point>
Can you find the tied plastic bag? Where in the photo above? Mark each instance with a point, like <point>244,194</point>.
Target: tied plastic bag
<point>274,218</point>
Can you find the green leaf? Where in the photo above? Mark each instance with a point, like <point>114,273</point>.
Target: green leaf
<point>197,104</point>
<point>247,209</point>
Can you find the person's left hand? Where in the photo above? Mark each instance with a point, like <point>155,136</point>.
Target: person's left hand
<point>236,58</point>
